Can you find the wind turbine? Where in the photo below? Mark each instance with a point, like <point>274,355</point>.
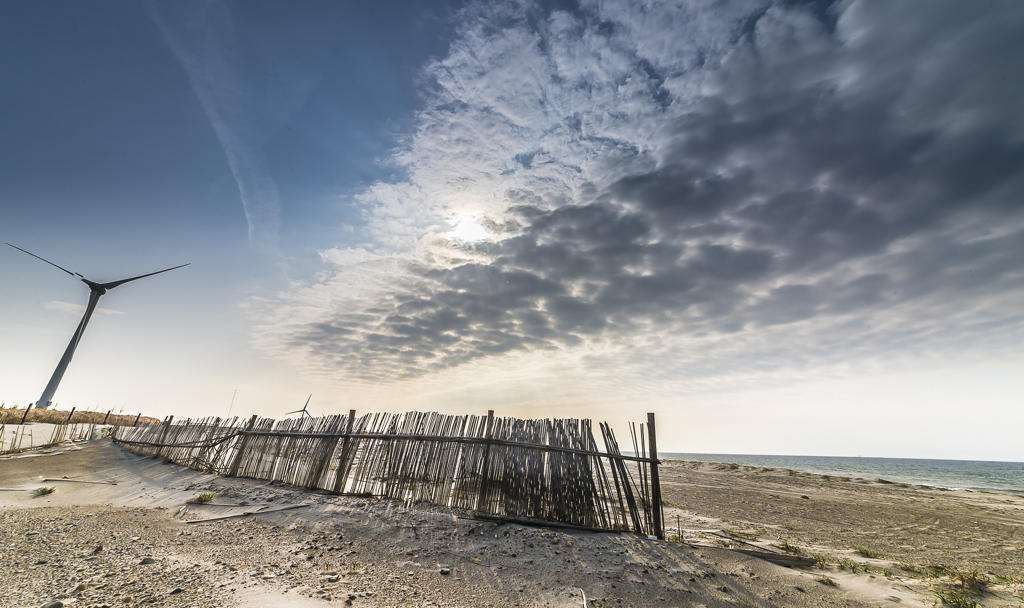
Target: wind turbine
<point>95,291</point>
<point>303,410</point>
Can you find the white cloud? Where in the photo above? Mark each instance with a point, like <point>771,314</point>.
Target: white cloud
<point>79,309</point>
<point>684,195</point>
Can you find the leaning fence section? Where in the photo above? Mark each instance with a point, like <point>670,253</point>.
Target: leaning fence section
<point>547,469</point>
<point>18,437</point>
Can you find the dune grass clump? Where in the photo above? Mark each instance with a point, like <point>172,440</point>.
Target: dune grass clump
<point>956,599</point>
<point>973,581</point>
<point>740,535</point>
<point>788,548</point>
<point>825,580</point>
<point>44,491</point>
<point>202,497</point>
<point>867,552</point>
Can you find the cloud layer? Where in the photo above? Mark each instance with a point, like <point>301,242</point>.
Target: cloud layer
<point>700,191</point>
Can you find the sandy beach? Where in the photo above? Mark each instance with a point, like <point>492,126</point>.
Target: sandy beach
<point>130,544</point>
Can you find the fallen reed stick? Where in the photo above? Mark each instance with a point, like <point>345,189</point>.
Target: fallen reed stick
<point>247,513</point>
<point>109,483</point>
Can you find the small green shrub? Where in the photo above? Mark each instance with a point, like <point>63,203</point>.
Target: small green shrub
<point>956,599</point>
<point>971,581</point>
<point>201,498</point>
<point>820,560</point>
<point>867,552</point>
<point>788,548</point>
<point>44,491</point>
<point>740,535</point>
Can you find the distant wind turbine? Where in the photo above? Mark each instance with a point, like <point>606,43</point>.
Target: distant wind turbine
<point>303,410</point>
<point>95,291</point>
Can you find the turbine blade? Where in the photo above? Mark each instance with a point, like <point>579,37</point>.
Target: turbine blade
<point>47,261</point>
<point>114,284</point>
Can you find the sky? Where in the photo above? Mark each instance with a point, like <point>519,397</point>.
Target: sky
<point>783,227</point>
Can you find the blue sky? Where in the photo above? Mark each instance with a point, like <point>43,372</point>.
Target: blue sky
<point>783,227</point>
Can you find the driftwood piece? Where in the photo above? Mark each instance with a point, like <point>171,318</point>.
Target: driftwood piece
<point>536,524</point>
<point>107,483</point>
<point>789,561</point>
<point>247,513</point>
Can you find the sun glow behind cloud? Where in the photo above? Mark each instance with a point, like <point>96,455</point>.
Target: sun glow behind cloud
<point>469,230</point>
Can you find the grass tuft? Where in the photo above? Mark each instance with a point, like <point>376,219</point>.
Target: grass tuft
<point>201,498</point>
<point>740,535</point>
<point>971,581</point>
<point>44,491</point>
<point>821,560</point>
<point>956,599</point>
<point>867,552</point>
<point>788,548</point>
<point>824,580</point>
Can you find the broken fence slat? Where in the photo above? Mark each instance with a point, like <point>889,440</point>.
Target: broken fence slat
<point>247,513</point>
<point>108,483</point>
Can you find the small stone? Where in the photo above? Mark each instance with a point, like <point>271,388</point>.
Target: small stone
<point>33,533</point>
<point>53,604</point>
<point>446,571</point>
<point>41,562</point>
<point>175,591</point>
<point>146,561</point>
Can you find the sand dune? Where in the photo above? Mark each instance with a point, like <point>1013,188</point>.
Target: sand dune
<point>371,552</point>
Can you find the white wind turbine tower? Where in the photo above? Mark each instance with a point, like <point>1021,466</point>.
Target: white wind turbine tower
<point>95,291</point>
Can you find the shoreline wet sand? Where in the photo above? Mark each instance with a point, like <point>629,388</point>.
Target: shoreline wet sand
<point>91,539</point>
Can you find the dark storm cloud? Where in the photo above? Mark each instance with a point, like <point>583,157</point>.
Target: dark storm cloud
<point>833,168</point>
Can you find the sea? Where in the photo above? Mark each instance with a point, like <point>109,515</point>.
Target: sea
<point>975,475</point>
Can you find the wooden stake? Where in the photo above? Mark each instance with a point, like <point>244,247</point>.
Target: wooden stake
<point>655,482</point>
<point>241,448</point>
<point>167,427</point>
<point>484,469</point>
<point>339,481</point>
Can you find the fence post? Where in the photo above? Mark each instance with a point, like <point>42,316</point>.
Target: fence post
<point>25,417</point>
<point>68,421</point>
<point>107,416</point>
<point>167,428</point>
<point>659,529</point>
<point>339,480</point>
<point>136,423</point>
<point>241,448</point>
<point>485,474</point>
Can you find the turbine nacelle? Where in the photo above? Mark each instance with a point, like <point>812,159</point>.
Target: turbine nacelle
<point>95,287</point>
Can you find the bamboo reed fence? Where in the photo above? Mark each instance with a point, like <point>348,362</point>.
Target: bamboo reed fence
<point>17,437</point>
<point>548,470</point>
